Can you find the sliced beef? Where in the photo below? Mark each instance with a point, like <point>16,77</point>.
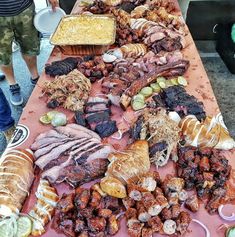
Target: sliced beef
<point>106,129</point>
<point>101,153</point>
<point>80,118</point>
<point>80,174</point>
<point>46,149</point>
<point>95,107</point>
<point>81,158</point>
<point>55,153</point>
<point>98,117</point>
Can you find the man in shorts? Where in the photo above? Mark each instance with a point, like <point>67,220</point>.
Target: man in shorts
<point>16,23</point>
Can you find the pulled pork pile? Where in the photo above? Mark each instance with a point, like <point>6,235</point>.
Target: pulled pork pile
<point>69,91</point>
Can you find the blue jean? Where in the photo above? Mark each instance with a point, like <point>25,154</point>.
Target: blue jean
<point>6,120</point>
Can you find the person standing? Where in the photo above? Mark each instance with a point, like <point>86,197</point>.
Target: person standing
<point>7,123</point>
<point>67,5</point>
<point>16,23</point>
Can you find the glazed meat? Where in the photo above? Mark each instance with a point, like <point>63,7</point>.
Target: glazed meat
<point>152,213</point>
<point>76,214</point>
<point>207,170</point>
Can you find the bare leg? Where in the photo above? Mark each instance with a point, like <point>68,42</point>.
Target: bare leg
<point>31,62</point>
<point>9,73</point>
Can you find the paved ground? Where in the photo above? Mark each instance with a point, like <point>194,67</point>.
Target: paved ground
<point>22,77</point>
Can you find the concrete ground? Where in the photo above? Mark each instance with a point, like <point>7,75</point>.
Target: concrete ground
<point>223,82</point>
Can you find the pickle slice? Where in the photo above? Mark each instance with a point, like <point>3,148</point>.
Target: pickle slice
<point>137,105</point>
<point>161,79</point>
<point>174,81</point>
<point>162,84</point>
<point>146,91</point>
<point>182,81</point>
<point>44,119</point>
<point>155,87</point>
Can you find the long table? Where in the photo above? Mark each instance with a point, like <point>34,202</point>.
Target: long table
<point>199,85</point>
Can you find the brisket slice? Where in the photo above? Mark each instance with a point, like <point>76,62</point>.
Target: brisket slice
<point>98,117</point>
<point>80,118</point>
<point>77,175</point>
<point>81,157</point>
<point>56,152</point>
<point>81,147</point>
<point>106,129</point>
<point>95,107</point>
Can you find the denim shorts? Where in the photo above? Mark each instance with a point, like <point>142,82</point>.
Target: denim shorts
<point>6,121</point>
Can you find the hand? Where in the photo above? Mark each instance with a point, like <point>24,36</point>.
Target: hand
<point>54,4</point>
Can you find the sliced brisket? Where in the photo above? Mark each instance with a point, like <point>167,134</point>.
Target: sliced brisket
<point>106,129</point>
<point>98,117</point>
<point>80,174</point>
<point>80,118</point>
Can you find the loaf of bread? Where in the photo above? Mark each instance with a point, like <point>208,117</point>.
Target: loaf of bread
<point>212,132</point>
<point>16,177</point>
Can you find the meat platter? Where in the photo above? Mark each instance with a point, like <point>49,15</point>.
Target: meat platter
<point>146,101</point>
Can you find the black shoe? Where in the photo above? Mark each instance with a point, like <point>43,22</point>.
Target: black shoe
<point>34,81</point>
<point>2,77</point>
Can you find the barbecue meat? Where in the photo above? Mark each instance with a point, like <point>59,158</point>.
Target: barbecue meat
<point>167,44</point>
<point>177,99</point>
<point>171,69</point>
<point>80,174</point>
<point>62,67</point>
<point>80,118</point>
<point>98,117</point>
<point>106,129</point>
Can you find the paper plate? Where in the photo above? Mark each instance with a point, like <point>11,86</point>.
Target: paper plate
<point>46,20</point>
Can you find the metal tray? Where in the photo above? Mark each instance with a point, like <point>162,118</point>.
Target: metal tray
<point>89,39</point>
